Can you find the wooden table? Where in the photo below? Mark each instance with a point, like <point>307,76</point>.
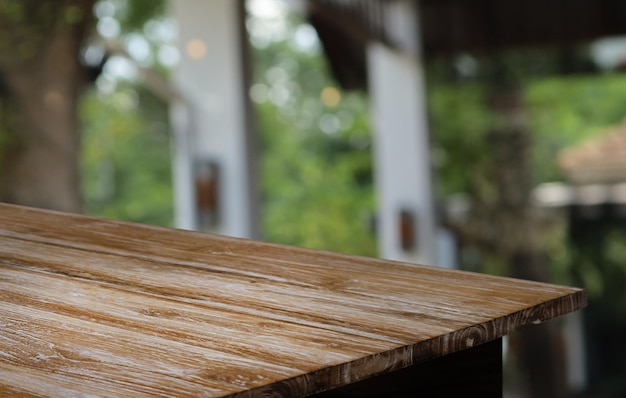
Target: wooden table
<point>93,307</point>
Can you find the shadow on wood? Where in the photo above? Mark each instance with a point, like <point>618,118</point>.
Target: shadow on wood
<point>471,372</point>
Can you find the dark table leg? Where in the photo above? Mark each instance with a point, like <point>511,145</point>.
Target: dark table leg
<point>476,371</point>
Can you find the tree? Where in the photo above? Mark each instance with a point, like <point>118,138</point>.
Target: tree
<point>125,160</point>
<point>42,78</point>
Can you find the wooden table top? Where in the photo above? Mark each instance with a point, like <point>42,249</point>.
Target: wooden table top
<point>94,307</point>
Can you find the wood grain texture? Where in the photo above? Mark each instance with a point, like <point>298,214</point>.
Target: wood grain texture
<point>94,307</point>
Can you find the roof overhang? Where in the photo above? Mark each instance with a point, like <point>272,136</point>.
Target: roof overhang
<point>451,27</point>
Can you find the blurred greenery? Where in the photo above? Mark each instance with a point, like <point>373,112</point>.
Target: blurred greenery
<point>126,166</point>
<point>568,110</point>
<point>126,163</point>
<point>562,111</point>
<point>461,157</point>
<point>134,15</point>
<point>316,167</point>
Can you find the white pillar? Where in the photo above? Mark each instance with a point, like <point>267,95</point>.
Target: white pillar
<point>575,354</point>
<point>402,166</point>
<point>210,77</point>
<point>401,145</point>
<point>182,173</point>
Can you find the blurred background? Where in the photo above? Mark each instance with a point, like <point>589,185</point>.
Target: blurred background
<point>483,135</point>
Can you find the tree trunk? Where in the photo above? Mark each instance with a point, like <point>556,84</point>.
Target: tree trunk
<point>540,356</point>
<point>38,115</point>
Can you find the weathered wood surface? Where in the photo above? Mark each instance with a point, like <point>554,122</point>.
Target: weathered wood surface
<point>93,307</point>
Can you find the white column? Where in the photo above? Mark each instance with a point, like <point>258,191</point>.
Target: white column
<point>182,173</point>
<point>575,354</point>
<point>401,146</point>
<point>210,77</point>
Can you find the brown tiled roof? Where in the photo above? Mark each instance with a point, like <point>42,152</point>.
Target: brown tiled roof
<point>599,160</point>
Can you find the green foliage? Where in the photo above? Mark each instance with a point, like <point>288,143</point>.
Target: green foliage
<point>315,158</point>
<point>137,12</point>
<point>132,15</point>
<point>313,198</point>
<point>126,164</point>
<point>461,154</point>
<point>562,111</point>
<point>13,10</point>
<point>567,110</point>
<point>26,26</point>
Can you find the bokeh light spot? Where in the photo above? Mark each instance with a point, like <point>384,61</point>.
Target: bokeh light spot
<point>330,97</point>
<point>196,49</point>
